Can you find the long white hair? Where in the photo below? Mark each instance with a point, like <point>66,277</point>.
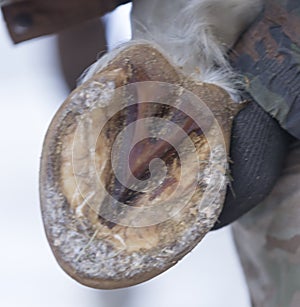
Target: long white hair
<point>194,34</point>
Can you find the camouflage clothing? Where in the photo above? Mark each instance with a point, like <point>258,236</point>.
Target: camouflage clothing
<point>268,55</point>
<point>268,237</point>
<point>268,241</point>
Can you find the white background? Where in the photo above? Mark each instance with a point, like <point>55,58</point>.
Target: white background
<point>31,90</point>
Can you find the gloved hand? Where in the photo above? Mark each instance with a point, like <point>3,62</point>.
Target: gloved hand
<point>268,55</point>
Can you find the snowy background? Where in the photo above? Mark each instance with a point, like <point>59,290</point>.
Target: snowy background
<point>31,90</point>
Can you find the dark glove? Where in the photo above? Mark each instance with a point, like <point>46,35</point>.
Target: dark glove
<point>258,148</point>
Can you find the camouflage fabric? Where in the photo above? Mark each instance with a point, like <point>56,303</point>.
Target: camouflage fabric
<point>268,237</point>
<point>268,241</point>
<point>268,55</point>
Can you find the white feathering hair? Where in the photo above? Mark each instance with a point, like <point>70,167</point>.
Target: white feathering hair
<point>194,34</point>
<point>197,34</point>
